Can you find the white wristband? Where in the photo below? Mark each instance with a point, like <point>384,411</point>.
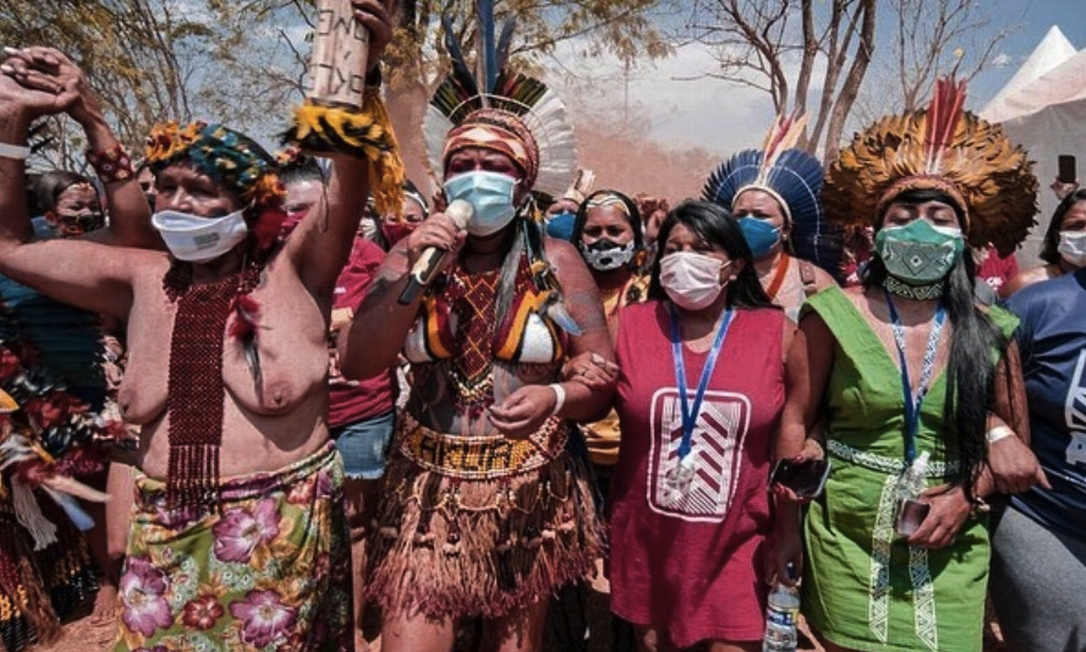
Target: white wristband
<point>997,433</point>
<point>17,152</point>
<point>559,397</point>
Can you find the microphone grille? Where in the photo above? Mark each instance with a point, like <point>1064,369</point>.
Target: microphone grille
<point>460,212</point>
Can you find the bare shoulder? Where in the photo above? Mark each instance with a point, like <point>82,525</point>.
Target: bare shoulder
<point>567,262</point>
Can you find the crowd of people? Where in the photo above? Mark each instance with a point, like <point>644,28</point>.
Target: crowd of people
<point>246,406</point>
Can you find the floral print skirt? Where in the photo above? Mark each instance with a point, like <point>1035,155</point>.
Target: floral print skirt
<point>267,568</point>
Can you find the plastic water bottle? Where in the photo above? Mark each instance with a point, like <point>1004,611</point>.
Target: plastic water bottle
<point>782,617</point>
<point>910,511</point>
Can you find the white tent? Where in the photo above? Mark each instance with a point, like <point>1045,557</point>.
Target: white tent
<point>1043,107</point>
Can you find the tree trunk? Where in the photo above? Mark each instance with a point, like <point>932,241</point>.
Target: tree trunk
<point>851,87</point>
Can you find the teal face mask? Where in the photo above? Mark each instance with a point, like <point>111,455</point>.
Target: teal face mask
<point>490,194</point>
<point>919,253</point>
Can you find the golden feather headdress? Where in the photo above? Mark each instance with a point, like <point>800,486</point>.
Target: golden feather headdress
<point>940,148</point>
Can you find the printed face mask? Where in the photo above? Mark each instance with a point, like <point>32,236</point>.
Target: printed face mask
<point>604,255</point>
<point>200,239</point>
<point>691,280</point>
<point>760,235</point>
<point>490,194</point>
<point>919,252</point>
<point>1072,247</point>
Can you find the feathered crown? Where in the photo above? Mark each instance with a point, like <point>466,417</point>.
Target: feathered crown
<point>940,148</point>
<point>792,177</point>
<point>522,107</point>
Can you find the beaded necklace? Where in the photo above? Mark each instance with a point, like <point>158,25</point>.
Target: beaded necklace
<point>195,396</point>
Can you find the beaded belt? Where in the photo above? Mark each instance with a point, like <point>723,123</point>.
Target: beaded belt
<point>484,457</point>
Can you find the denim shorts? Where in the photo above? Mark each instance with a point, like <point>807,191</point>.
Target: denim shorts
<point>364,445</point>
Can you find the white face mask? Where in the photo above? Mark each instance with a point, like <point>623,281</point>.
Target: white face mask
<point>1073,247</point>
<point>691,280</point>
<point>200,239</point>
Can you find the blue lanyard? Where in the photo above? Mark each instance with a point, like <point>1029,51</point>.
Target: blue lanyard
<point>690,413</point>
<point>913,403</point>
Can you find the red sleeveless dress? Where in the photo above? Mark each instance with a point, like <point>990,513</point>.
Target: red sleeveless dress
<point>692,563</point>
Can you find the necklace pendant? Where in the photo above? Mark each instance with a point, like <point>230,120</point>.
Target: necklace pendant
<point>680,477</point>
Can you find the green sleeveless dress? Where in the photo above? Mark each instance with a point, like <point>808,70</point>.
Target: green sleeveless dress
<point>864,588</point>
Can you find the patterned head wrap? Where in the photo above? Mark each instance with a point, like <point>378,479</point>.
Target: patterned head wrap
<point>231,159</point>
<point>498,131</point>
<point>940,148</point>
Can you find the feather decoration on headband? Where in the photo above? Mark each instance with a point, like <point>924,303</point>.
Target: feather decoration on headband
<point>946,109</point>
<point>529,100</point>
<point>940,148</point>
<point>582,186</point>
<point>782,136</point>
<point>794,179</point>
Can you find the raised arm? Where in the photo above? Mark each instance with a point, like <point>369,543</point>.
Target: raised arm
<point>320,245</point>
<point>48,70</point>
<point>79,273</point>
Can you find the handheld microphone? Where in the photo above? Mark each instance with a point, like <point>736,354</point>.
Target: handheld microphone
<point>425,268</point>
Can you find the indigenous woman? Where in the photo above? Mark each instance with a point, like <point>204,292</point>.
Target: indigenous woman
<point>774,193</point>
<point>238,532</point>
<point>607,231</point>
<point>485,513</point>
<point>908,368</point>
<point>689,508</point>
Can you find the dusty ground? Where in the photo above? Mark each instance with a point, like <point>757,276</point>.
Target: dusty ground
<point>80,636</point>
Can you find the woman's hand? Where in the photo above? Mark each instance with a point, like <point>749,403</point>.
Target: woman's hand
<point>591,370</point>
<point>524,411</point>
<point>49,70</point>
<point>1014,466</point>
<point>1062,188</point>
<point>437,231</point>
<point>785,546</point>
<point>949,510</point>
<point>377,18</point>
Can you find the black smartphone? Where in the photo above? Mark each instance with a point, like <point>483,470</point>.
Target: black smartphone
<point>1067,173</point>
<point>806,479</point>
<point>910,514</point>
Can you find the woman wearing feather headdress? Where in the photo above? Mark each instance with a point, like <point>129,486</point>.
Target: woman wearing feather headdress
<point>774,193</point>
<point>486,513</point>
<point>916,384</point>
<point>239,538</point>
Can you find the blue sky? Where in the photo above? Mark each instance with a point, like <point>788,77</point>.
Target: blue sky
<point>723,117</point>
<point>1035,18</point>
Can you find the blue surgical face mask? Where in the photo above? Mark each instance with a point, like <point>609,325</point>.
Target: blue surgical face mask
<point>490,194</point>
<point>760,235</point>
<point>561,225</point>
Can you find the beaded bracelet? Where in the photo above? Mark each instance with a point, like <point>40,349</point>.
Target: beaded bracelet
<point>112,165</point>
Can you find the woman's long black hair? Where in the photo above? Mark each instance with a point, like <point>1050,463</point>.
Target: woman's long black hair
<point>715,225</point>
<point>1050,249</point>
<point>972,367</point>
